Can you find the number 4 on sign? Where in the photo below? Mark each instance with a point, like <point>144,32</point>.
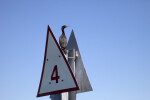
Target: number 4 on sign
<point>55,68</point>
<point>56,77</point>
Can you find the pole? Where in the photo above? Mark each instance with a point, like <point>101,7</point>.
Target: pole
<point>64,96</point>
<point>71,60</point>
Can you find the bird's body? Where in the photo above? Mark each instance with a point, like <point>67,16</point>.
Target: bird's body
<point>63,39</point>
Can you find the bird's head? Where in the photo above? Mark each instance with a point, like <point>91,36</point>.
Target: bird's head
<point>64,26</point>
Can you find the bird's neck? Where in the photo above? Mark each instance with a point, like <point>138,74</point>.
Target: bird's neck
<point>63,32</point>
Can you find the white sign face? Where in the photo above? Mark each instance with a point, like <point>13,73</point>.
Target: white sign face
<point>57,76</point>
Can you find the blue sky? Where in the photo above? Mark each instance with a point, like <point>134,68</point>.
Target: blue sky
<point>113,37</point>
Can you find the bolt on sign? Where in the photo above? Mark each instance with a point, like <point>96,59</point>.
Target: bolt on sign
<point>56,76</point>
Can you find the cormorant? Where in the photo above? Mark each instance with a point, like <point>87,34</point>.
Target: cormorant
<point>63,39</point>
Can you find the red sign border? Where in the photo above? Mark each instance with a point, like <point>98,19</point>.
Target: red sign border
<point>58,91</point>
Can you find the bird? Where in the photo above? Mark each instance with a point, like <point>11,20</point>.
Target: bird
<point>63,39</point>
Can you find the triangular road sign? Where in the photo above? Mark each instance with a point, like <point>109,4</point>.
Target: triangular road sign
<point>56,74</point>
<point>80,72</point>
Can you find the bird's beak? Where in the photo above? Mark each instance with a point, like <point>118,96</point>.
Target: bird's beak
<point>67,26</point>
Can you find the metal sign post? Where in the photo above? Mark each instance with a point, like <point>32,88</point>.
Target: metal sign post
<point>71,60</point>
<point>63,74</point>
